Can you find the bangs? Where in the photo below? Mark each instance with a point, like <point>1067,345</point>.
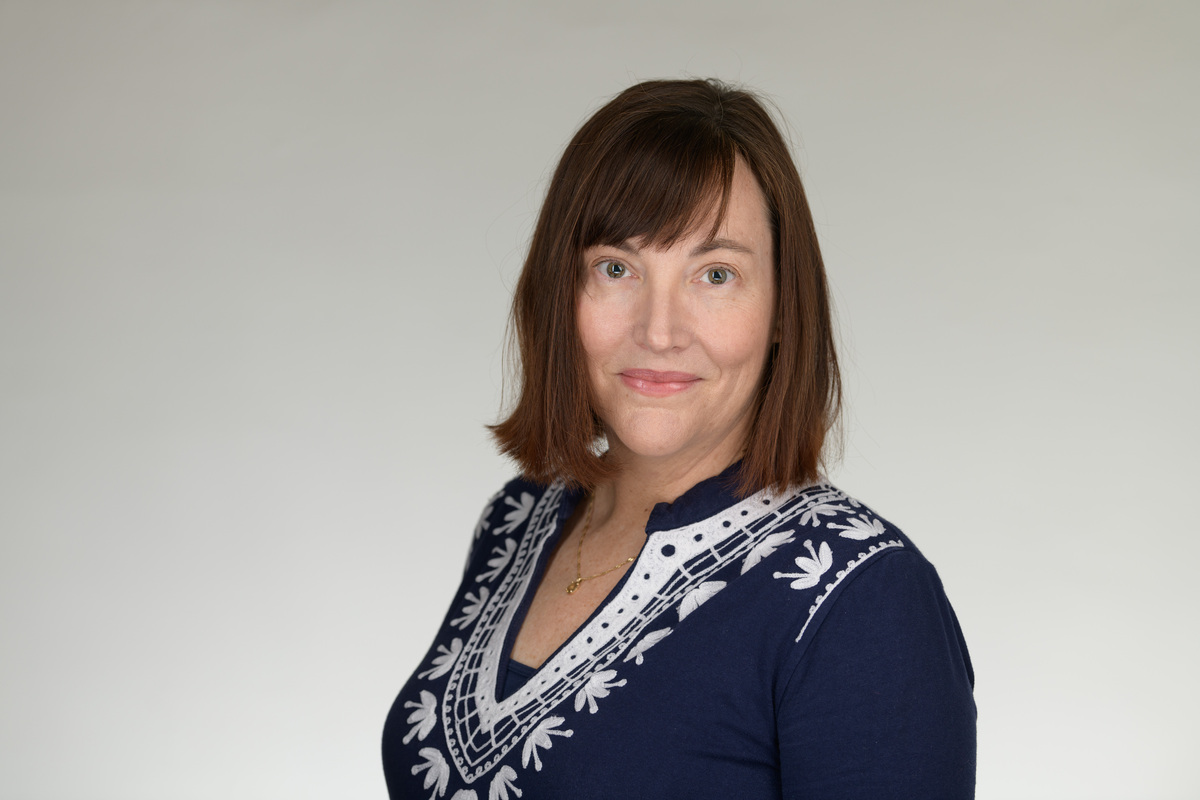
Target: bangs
<point>658,183</point>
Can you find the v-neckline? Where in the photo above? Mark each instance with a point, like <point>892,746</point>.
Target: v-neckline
<point>674,573</point>
<point>698,502</point>
<point>567,508</point>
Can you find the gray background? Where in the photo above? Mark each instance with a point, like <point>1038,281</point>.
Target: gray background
<point>256,260</point>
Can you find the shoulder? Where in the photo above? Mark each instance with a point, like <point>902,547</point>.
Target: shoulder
<point>507,514</point>
<point>865,587</point>
<point>879,658</point>
<point>826,539</point>
<point>511,506</point>
<point>848,568</point>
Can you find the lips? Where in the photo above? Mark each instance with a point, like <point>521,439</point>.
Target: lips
<point>657,384</point>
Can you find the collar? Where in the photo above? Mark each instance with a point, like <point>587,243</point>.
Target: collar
<point>706,498</point>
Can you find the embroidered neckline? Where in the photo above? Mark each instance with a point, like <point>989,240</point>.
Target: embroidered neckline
<point>673,571</point>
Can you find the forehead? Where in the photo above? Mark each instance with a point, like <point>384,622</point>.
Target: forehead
<point>745,208</point>
<point>656,210</point>
<point>737,220</point>
<point>655,187</point>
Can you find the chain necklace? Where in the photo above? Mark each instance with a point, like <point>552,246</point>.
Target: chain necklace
<point>579,578</point>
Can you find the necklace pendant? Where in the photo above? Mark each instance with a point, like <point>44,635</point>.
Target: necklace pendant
<point>573,585</point>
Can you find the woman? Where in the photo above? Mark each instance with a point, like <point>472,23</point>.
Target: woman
<point>670,602</point>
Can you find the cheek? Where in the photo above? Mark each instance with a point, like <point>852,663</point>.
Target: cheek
<point>599,333</point>
<point>743,346</point>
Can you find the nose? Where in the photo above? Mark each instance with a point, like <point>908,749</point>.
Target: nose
<point>663,322</point>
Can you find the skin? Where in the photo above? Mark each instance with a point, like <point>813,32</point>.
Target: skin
<point>676,342</point>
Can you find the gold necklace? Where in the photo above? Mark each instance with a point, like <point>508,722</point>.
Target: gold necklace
<point>587,523</point>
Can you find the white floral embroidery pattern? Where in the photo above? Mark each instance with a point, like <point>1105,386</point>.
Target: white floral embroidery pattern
<point>765,548</point>
<point>465,794</point>
<point>485,519</point>
<point>596,688</point>
<point>481,730</point>
<point>438,775</point>
<point>811,569</point>
<point>499,561</point>
<point>423,719</point>
<point>540,737</point>
<point>812,515</point>
<point>502,783</point>
<point>445,662</point>
<point>638,651</point>
<point>519,513</point>
<point>471,610</point>
<point>860,527</point>
<point>841,574</point>
<point>698,596</point>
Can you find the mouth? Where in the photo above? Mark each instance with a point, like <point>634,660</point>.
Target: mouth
<point>657,384</point>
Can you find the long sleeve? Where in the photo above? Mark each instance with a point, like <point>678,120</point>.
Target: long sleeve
<point>879,705</point>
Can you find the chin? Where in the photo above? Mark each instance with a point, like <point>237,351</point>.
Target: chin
<point>649,441</point>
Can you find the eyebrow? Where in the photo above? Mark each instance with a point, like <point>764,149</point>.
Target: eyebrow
<point>720,243</point>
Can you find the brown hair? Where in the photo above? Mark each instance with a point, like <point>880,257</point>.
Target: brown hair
<point>651,165</point>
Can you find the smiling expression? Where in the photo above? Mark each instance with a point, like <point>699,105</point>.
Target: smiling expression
<point>676,339</point>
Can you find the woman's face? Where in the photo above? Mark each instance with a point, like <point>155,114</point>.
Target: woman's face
<point>677,339</point>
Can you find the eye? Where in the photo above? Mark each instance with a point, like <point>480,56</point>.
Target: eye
<point>717,275</point>
<point>613,269</point>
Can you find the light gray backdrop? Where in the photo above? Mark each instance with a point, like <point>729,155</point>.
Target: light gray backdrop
<point>256,260</point>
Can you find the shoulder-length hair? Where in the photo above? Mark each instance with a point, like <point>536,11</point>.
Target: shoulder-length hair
<point>651,165</point>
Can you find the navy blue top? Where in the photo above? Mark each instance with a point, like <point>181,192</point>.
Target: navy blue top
<point>518,675</point>
<point>791,645</point>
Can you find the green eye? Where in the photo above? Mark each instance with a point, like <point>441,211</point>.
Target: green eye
<point>614,269</point>
<point>717,275</point>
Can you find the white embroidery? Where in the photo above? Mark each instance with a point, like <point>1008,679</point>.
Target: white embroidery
<point>811,569</point>
<point>698,596</point>
<point>423,719</point>
<point>465,794</point>
<point>597,688</point>
<point>540,737</point>
<point>438,771</point>
<point>638,651</point>
<point>481,730</point>
<point>485,519</point>
<point>519,513</point>
<point>841,574</point>
<point>499,560</point>
<point>445,662</point>
<point>812,516</point>
<point>765,548</point>
<point>502,783</point>
<point>471,610</point>
<point>860,527</point>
